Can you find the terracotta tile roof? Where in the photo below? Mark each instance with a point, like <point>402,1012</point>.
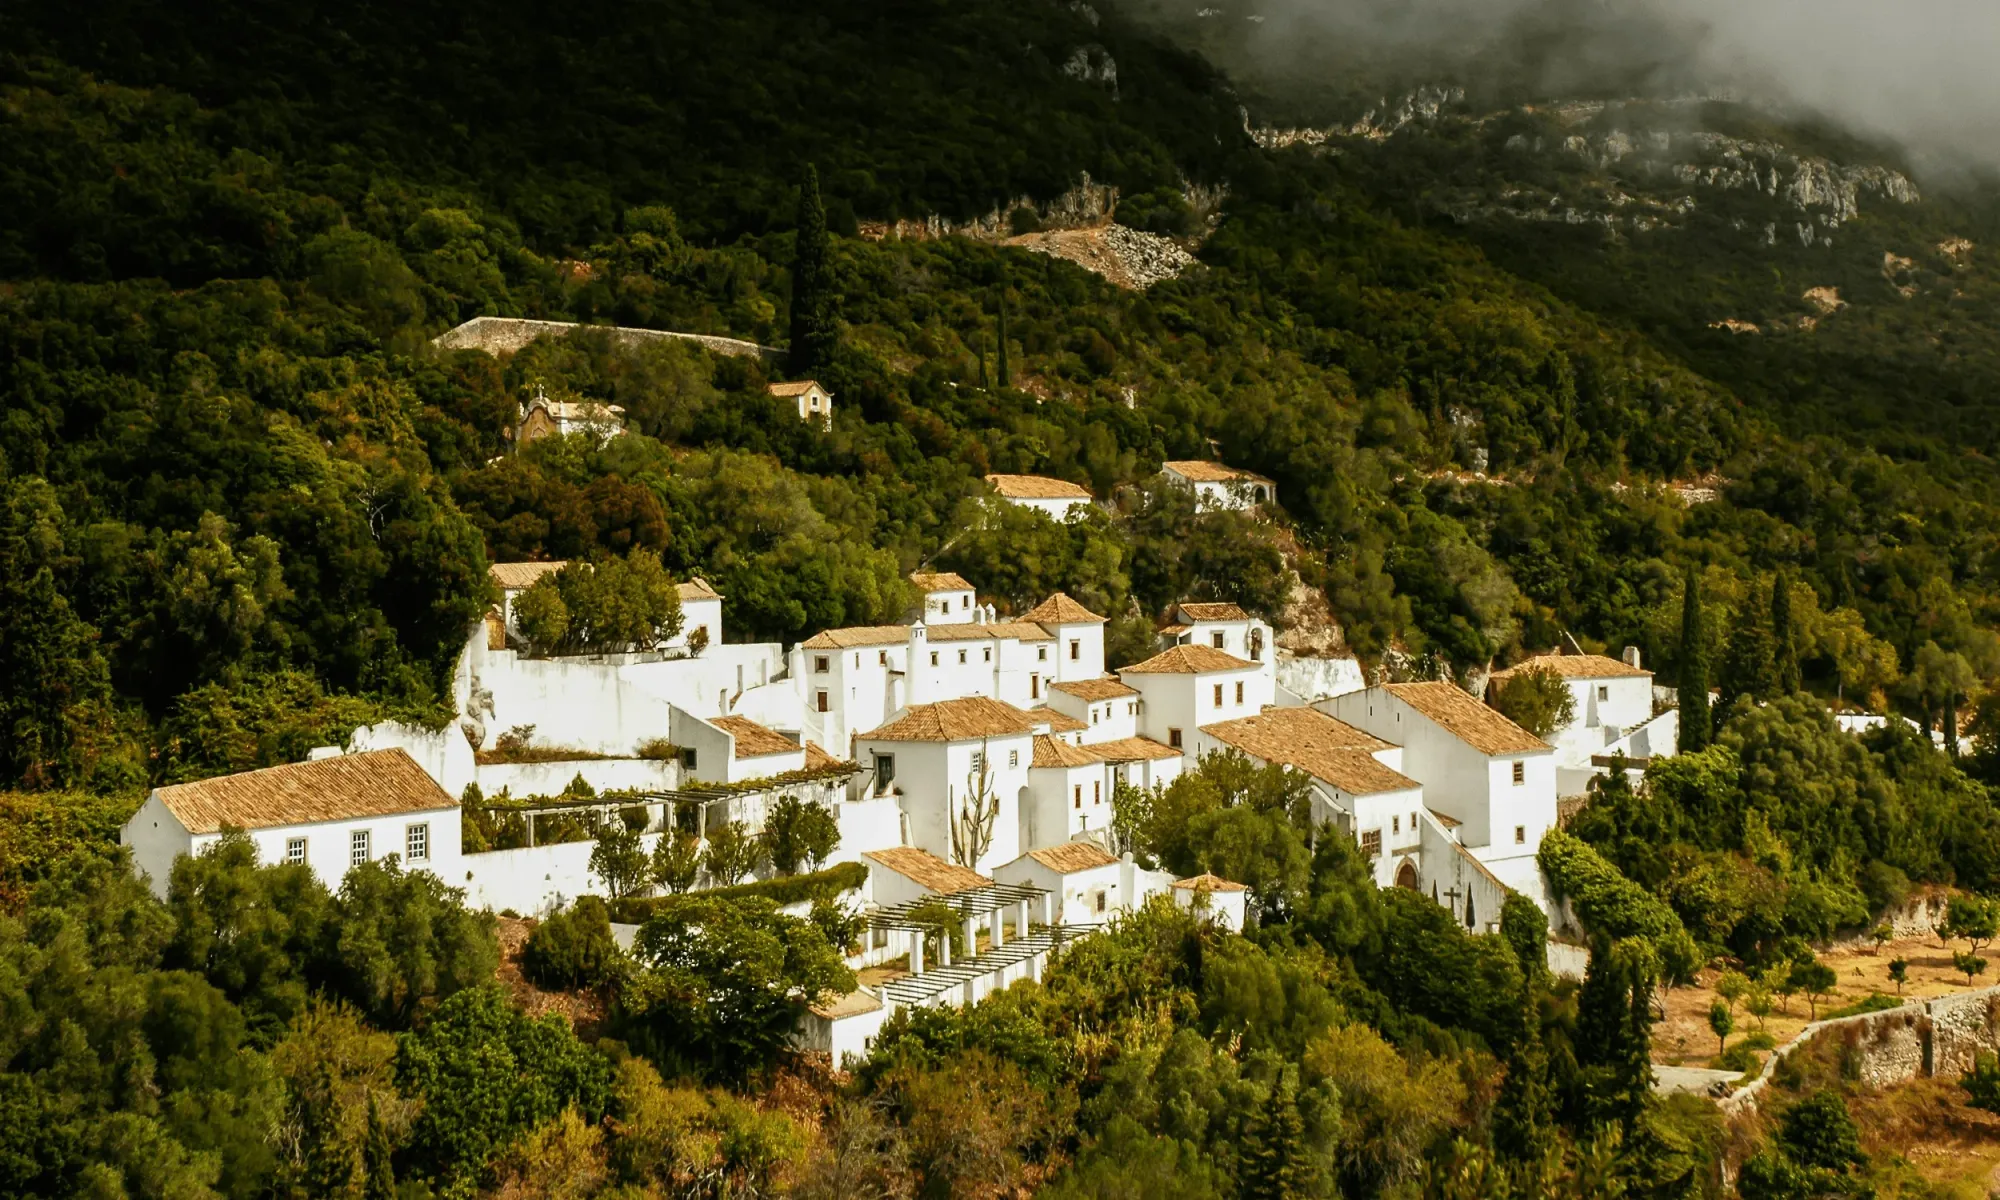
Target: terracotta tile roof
<point>857,635</point>
<point>1188,660</point>
<point>1446,819</point>
<point>853,1004</point>
<point>1070,857</point>
<point>1212,612</point>
<point>940,581</point>
<point>817,758</point>
<point>1036,487</point>
<point>1473,723</point>
<point>754,740</point>
<point>1026,631</point>
<point>515,577</point>
<point>377,783</point>
<point>1198,471</point>
<point>954,721</point>
<point>578,410</point>
<point>1171,630</point>
<point>800,388</point>
<point>1054,752</point>
<point>1322,746</point>
<point>925,869</point>
<point>1110,687</point>
<point>1058,722</point>
<point>1133,749</point>
<point>1214,883</point>
<point>697,589</point>
<point>1575,666</point>
<point>1059,609</point>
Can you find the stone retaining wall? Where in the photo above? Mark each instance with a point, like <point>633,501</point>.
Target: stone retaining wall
<point>1923,1038</point>
<point>505,335</point>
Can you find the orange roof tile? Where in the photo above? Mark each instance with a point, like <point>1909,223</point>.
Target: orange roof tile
<point>1058,722</point>
<point>1311,741</point>
<point>697,589</point>
<point>1214,883</point>
<point>954,721</point>
<point>1059,609</point>
<point>940,581</point>
<point>519,576</point>
<point>1574,666</point>
<point>1212,612</point>
<point>925,869</point>
<point>1198,471</point>
<point>1054,752</point>
<point>1475,724</point>
<point>376,783</point>
<point>754,740</point>
<point>1188,660</point>
<point>1133,749</point>
<point>1036,487</point>
<point>800,388</point>
<point>970,631</point>
<point>1110,687</point>
<point>1070,857</point>
<point>857,635</point>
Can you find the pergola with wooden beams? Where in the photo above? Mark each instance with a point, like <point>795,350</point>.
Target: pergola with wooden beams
<point>990,900</point>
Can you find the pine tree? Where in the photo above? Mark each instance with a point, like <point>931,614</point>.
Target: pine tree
<point>1695,732</point>
<point>1274,1166</point>
<point>1003,376</point>
<point>1615,1029</point>
<point>1749,669</point>
<point>813,329</point>
<point>379,1178</point>
<point>1784,642</point>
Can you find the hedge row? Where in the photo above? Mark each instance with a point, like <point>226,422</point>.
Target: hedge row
<point>786,889</point>
<point>1609,904</point>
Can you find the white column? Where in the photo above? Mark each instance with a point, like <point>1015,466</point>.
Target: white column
<point>998,923</point>
<point>1021,919</point>
<point>916,951</point>
<point>971,937</point>
<point>1048,908</point>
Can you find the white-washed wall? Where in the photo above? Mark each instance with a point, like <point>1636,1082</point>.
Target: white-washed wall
<point>532,880</point>
<point>526,780</point>
<point>874,823</point>
<point>443,753</point>
<point>1313,679</point>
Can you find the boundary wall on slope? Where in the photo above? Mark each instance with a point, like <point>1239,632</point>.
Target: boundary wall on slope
<point>1921,1039</point>
<point>505,335</point>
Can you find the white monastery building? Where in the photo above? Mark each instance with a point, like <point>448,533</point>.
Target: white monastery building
<point>542,417</point>
<point>948,598</point>
<point>1219,487</point>
<point>1614,714</point>
<point>815,402</point>
<point>1056,497</point>
<point>1187,687</point>
<point>328,814</point>
<point>1222,627</point>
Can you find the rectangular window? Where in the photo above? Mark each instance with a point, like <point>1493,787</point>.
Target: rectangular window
<point>1371,843</point>
<point>857,658</point>
<point>1075,650</point>
<point>357,847</point>
<point>1041,654</point>
<point>416,843</point>
<point>1035,687</point>
<point>295,850</point>
<point>961,658</point>
<point>1174,738</point>
<point>1215,639</point>
<point>689,757</point>
<point>1520,773</point>
<point>1131,707</point>
<point>1218,695</point>
<point>885,771</point>
<point>1097,792</point>
<point>1079,796</point>
<point>1395,824</point>
<point>965,602</point>
<point>1604,693</point>
<point>1520,835</point>
<point>819,699</point>
<point>1100,902</point>
<point>978,761</point>
<point>822,663</point>
<point>1013,758</point>
<point>1239,691</point>
<point>988,652</point>
<point>934,658</point>
<point>1093,716</point>
<point>882,658</point>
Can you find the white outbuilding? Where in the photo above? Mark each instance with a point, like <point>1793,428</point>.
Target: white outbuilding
<point>329,814</point>
<point>1613,701</point>
<point>815,402</point>
<point>948,597</point>
<point>1216,486</point>
<point>1056,497</point>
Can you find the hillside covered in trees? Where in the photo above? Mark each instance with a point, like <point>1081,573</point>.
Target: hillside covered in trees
<point>246,506</point>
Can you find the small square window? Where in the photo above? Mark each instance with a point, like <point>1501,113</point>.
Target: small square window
<point>1041,654</point>
<point>689,757</point>
<point>1371,843</point>
<point>295,850</point>
<point>1215,639</point>
<point>1520,835</point>
<point>417,843</point>
<point>357,847</point>
<point>821,664</point>
<point>1174,738</point>
<point>1520,773</point>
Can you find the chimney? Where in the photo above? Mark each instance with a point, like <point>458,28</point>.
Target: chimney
<point>1632,658</point>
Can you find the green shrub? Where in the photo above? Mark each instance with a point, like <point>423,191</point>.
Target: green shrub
<point>1740,1057</point>
<point>787,889</point>
<point>572,948</point>
<point>1612,905</point>
<point>1873,1002</point>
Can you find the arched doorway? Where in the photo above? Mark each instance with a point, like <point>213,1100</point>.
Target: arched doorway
<point>1406,875</point>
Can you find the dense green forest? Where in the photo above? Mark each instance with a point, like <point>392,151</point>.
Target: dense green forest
<point>245,506</point>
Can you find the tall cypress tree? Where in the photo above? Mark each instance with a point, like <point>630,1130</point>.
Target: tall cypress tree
<point>1749,669</point>
<point>1784,643</point>
<point>1274,1166</point>
<point>1695,733</point>
<point>813,328</point>
<point>378,1177</point>
<point>1003,376</point>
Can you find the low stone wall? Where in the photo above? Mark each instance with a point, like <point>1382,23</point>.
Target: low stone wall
<point>1923,1038</point>
<point>505,335</point>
